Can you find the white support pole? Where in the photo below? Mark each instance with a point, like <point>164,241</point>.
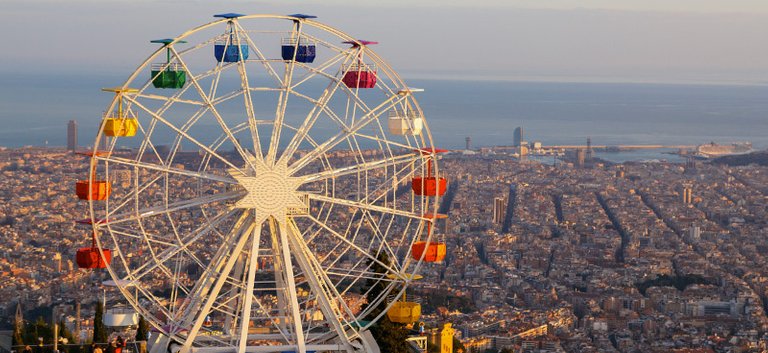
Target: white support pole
<point>214,293</point>
<point>285,250</point>
<point>248,292</point>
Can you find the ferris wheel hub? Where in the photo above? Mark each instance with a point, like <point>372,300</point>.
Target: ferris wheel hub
<point>271,191</point>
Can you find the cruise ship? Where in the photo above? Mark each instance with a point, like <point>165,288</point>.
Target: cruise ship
<point>712,150</point>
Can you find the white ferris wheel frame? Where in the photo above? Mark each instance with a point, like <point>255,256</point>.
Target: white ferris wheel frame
<point>289,241</point>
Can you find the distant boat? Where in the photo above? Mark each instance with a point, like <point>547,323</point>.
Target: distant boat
<point>712,150</point>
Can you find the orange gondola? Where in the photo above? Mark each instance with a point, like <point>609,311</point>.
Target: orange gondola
<point>432,251</point>
<point>98,190</point>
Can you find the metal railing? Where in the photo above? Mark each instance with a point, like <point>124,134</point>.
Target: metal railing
<point>128,347</point>
<point>302,41</point>
<point>167,67</point>
<point>397,113</point>
<point>417,344</point>
<point>127,114</point>
<point>359,67</point>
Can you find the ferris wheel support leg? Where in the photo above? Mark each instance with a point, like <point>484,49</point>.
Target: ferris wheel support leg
<point>214,293</point>
<point>282,304</point>
<point>285,252</point>
<point>369,343</point>
<point>159,343</point>
<point>248,294</point>
<point>316,280</point>
<point>234,305</point>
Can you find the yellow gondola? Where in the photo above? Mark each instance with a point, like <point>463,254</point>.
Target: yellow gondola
<point>120,123</point>
<point>404,312</point>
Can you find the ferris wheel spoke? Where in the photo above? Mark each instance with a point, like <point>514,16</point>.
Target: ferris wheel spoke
<point>150,239</point>
<point>248,101</point>
<point>172,207</point>
<point>186,135</point>
<point>282,100</point>
<point>261,58</point>
<point>213,268</point>
<point>216,114</point>
<point>377,233</point>
<point>351,244</point>
<point>315,70</point>
<point>147,143</point>
<point>366,206</point>
<point>313,115</point>
<point>343,135</point>
<point>169,170</point>
<point>344,273</point>
<point>228,96</point>
<point>362,167</point>
<point>171,99</point>
<point>147,134</point>
<point>387,142</point>
<point>174,249</point>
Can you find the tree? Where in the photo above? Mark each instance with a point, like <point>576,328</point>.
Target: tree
<point>458,347</point>
<point>42,329</point>
<point>17,340</point>
<point>389,335</point>
<point>65,333</point>
<point>99,330</point>
<point>142,330</point>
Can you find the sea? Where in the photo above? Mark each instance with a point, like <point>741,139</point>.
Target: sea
<point>35,109</point>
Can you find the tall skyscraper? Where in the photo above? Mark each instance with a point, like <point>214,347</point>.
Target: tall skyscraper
<point>468,141</point>
<point>589,150</point>
<point>687,194</point>
<point>499,208</point>
<point>694,233</point>
<point>517,138</point>
<point>72,135</point>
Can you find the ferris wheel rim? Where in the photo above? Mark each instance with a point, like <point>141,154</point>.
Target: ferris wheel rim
<point>140,69</point>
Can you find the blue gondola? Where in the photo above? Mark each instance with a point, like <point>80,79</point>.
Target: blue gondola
<point>307,50</point>
<point>228,50</point>
<point>230,53</point>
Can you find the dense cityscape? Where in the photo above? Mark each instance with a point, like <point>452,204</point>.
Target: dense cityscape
<point>580,256</point>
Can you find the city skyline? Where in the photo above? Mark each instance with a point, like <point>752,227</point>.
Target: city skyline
<point>259,187</point>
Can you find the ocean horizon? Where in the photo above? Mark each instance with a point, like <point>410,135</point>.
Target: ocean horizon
<point>35,109</point>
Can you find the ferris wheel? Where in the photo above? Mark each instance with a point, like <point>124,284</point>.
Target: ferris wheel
<point>264,183</point>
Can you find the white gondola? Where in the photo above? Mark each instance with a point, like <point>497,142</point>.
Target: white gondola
<point>405,123</point>
<point>121,316</point>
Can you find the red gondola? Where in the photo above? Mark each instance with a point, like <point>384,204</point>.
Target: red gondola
<point>429,185</point>
<point>359,74</point>
<point>90,258</point>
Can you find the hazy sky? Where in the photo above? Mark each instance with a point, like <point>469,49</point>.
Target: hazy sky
<point>585,40</point>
